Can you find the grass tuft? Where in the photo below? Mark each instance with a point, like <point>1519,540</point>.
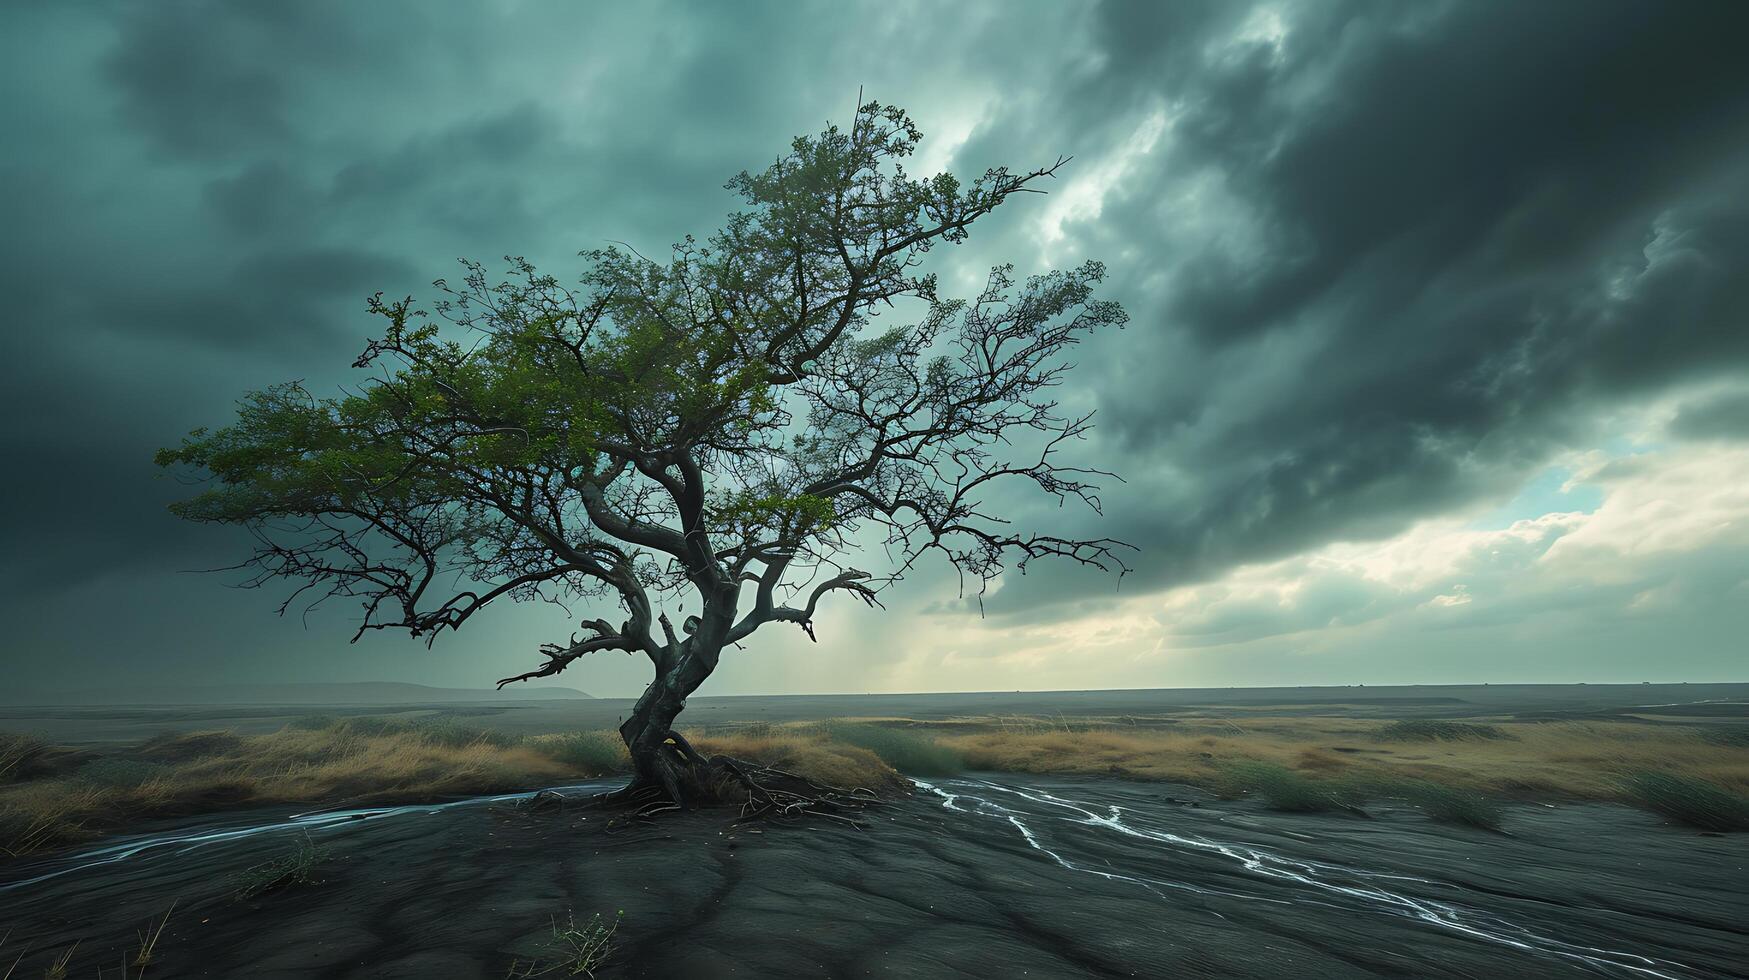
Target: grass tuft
<point>1690,800</point>
<point>149,937</point>
<point>57,969</point>
<point>295,869</point>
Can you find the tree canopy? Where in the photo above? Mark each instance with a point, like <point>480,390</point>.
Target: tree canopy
<point>733,421</point>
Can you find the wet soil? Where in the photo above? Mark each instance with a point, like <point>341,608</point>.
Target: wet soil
<point>983,877</point>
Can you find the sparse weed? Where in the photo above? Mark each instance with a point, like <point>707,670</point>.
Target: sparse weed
<point>574,950</point>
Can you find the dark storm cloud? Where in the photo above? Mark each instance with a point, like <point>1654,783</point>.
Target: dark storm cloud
<point>1455,232</point>
<point>205,79</point>
<point>1720,417</point>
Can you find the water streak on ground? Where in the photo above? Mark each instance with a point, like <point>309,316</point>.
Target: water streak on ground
<point>1318,878</point>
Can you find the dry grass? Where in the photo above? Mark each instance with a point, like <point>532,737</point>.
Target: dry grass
<point>1576,760</point>
<point>207,771</point>
<point>52,797</point>
<point>324,761</point>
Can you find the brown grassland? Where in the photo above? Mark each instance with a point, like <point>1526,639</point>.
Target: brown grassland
<point>54,797</point>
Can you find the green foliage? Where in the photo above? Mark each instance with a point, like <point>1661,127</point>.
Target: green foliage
<point>731,413</point>
<point>908,752</point>
<point>1688,799</point>
<point>1441,731</point>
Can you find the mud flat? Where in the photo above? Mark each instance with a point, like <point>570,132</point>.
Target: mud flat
<point>985,876</point>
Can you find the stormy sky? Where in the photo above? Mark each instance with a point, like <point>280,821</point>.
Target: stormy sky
<point>1438,366</point>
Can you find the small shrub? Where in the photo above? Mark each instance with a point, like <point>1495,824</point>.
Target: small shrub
<point>1437,731</point>
<point>597,753</point>
<point>908,752</point>
<point>1692,801</point>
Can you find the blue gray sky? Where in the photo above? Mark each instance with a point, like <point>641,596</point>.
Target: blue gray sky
<point>1438,367</point>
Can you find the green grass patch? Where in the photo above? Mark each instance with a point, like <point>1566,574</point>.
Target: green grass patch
<point>906,751</point>
<point>1689,800</point>
<point>598,753</point>
<point>1281,788</point>
<point>1446,804</point>
<point>1437,731</point>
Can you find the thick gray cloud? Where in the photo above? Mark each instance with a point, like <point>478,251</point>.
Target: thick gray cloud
<point>1384,261</point>
<point>1441,239</point>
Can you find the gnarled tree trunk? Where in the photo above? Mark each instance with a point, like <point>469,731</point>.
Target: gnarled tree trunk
<point>660,757</point>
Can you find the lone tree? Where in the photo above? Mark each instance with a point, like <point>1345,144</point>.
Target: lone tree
<point>725,427</point>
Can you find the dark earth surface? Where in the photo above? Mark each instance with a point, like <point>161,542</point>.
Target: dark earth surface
<point>976,876</point>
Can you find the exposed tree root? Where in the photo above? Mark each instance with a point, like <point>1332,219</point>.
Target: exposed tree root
<point>689,780</point>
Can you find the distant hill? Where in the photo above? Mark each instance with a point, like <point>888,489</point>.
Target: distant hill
<point>363,692</point>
